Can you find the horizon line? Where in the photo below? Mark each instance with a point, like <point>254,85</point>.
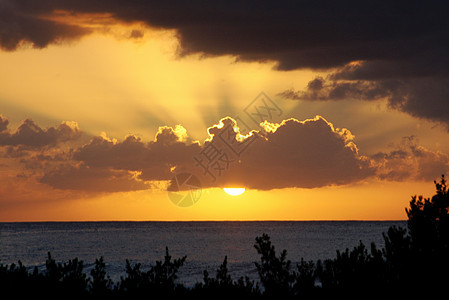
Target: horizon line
<point>205,221</point>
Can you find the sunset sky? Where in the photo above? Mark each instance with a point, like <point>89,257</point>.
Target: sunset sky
<point>321,110</point>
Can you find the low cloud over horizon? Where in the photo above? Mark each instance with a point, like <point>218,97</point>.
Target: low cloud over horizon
<point>291,154</point>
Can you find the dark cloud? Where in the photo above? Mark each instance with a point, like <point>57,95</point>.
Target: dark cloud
<point>323,90</point>
<point>305,154</point>
<point>420,89</point>
<point>402,45</point>
<point>18,26</point>
<point>96,180</point>
<point>302,154</point>
<point>30,135</point>
<point>410,161</point>
<point>101,165</point>
<point>154,160</point>
<point>296,34</point>
<point>426,97</point>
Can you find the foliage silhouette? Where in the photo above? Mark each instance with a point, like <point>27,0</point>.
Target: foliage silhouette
<point>159,280</point>
<point>397,255</point>
<point>100,285</point>
<point>164,274</point>
<point>428,224</point>
<point>274,272</point>
<point>410,262</point>
<point>305,278</point>
<point>223,285</point>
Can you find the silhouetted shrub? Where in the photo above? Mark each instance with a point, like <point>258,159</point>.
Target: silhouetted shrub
<point>65,278</point>
<point>428,224</point>
<point>274,272</point>
<point>353,271</point>
<point>13,278</point>
<point>100,285</point>
<point>224,286</point>
<point>159,280</point>
<point>222,280</point>
<point>398,257</point>
<point>304,278</point>
<point>164,274</point>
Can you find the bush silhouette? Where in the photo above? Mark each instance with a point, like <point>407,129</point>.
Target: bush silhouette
<point>224,286</point>
<point>428,224</point>
<point>304,278</point>
<point>164,274</point>
<point>66,277</point>
<point>353,271</point>
<point>100,285</point>
<point>274,272</point>
<point>222,280</point>
<point>397,255</point>
<point>160,279</point>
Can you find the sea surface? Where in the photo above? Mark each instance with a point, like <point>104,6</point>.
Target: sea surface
<point>204,243</point>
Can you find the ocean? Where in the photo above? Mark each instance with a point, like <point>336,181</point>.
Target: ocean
<point>204,243</point>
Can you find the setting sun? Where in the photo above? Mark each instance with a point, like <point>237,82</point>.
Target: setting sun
<point>234,191</point>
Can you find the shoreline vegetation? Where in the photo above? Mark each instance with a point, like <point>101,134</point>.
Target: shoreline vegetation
<point>413,262</point>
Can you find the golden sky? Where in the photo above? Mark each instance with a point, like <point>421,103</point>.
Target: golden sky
<point>97,119</point>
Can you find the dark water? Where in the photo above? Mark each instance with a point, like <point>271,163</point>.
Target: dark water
<point>204,243</point>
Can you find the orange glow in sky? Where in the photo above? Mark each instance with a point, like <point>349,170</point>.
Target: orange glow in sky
<point>95,127</point>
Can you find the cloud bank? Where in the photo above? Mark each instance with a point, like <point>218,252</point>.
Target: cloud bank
<point>292,154</point>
